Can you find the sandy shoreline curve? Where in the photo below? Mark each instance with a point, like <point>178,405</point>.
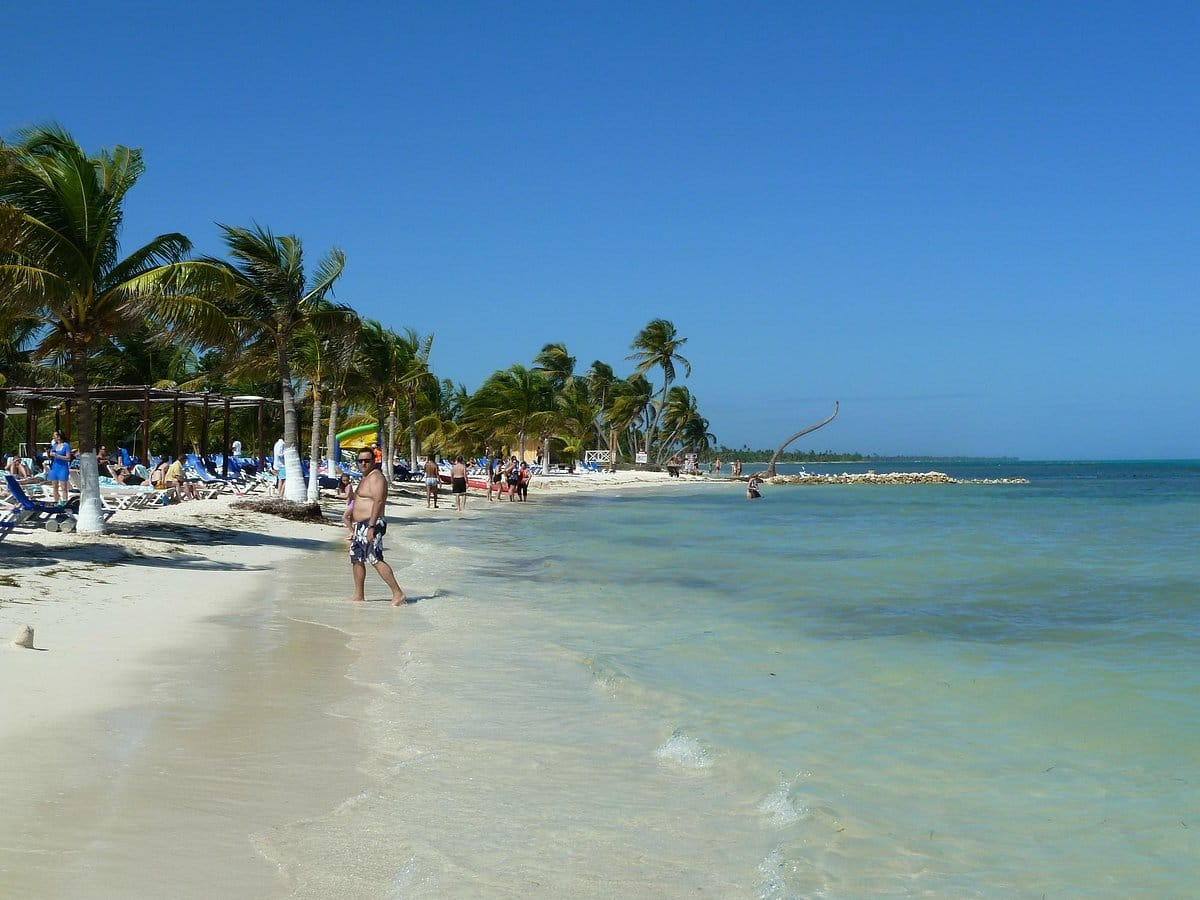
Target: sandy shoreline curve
<point>101,605</point>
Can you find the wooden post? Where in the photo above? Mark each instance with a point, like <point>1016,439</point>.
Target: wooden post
<point>261,404</point>
<point>204,431</point>
<point>31,417</point>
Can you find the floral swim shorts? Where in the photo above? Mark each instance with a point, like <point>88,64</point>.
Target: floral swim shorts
<point>364,551</point>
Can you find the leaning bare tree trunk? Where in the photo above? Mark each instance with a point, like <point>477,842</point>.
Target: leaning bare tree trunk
<point>799,434</point>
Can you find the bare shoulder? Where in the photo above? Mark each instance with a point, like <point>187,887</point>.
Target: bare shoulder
<point>375,483</point>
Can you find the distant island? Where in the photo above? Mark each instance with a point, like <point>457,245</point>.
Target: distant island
<point>747,454</point>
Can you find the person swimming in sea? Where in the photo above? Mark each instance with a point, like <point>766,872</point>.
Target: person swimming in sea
<point>752,488</point>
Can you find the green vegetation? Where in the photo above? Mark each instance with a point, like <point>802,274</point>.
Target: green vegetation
<point>75,311</point>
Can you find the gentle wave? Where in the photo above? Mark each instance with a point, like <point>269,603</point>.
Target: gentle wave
<point>684,751</point>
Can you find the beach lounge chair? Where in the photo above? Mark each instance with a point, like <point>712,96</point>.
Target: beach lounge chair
<point>212,484</point>
<point>10,518</point>
<point>49,515</point>
<point>119,496</point>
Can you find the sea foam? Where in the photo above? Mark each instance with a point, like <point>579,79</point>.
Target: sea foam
<point>782,806</point>
<point>684,751</point>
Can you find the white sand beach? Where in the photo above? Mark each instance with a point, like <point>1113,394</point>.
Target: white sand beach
<point>101,604</point>
<point>123,624</point>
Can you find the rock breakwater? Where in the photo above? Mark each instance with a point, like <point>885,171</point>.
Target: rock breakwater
<point>888,478</point>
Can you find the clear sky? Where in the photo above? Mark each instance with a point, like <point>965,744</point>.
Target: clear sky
<point>974,224</point>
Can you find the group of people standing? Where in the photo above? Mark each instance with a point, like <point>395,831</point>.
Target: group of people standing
<point>512,474</point>
<point>499,476</point>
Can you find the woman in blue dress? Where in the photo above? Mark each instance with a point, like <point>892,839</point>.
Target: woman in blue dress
<point>60,466</point>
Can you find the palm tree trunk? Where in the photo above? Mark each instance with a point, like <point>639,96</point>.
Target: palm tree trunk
<point>331,435</point>
<point>90,519</point>
<point>652,430</point>
<point>294,487</point>
<point>413,447</point>
<point>314,447</point>
<point>390,454</point>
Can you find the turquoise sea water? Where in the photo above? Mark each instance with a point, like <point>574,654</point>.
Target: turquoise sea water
<point>836,691</point>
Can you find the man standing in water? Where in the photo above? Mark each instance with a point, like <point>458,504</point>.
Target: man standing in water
<point>367,527</point>
<point>431,482</point>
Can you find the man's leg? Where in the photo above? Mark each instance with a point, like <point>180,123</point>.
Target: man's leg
<point>359,571</point>
<point>389,578</point>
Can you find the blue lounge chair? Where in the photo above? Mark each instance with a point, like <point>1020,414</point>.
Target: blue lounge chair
<point>46,514</point>
<point>197,469</point>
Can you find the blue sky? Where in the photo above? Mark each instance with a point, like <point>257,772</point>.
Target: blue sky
<point>974,224</point>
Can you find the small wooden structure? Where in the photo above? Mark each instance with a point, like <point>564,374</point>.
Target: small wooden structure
<point>34,399</point>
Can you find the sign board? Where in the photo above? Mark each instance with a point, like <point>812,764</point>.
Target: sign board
<point>641,458</point>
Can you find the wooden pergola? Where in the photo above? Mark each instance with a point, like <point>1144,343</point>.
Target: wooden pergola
<point>34,399</point>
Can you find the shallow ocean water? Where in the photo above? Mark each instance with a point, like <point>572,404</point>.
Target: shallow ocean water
<point>842,691</point>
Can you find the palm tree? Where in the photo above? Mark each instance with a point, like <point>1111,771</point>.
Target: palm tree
<point>443,427</point>
<point>679,410</point>
<point>630,401</point>
<point>696,436</point>
<point>341,348</point>
<point>515,402</point>
<point>316,348</point>
<point>658,345</point>
<point>558,367</point>
<point>272,301</point>
<point>60,221</point>
<point>556,364</point>
<point>414,377</point>
<point>18,335</point>
<point>576,417</point>
<point>378,365</point>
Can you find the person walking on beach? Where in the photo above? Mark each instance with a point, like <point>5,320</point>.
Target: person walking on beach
<point>491,474</point>
<point>367,528</point>
<point>59,456</point>
<point>458,483</point>
<point>524,476</point>
<point>431,482</point>
<point>512,477</point>
<point>277,465</point>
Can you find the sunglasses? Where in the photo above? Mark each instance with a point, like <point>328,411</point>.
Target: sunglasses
<point>365,459</point>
